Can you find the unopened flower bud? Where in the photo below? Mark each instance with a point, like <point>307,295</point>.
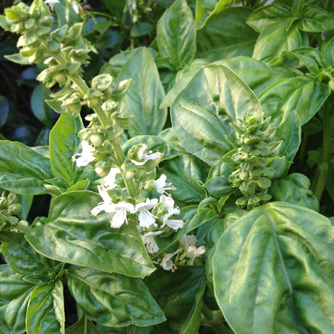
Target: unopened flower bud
<point>3,202</point>
<point>101,171</point>
<point>129,174</point>
<point>96,139</point>
<point>60,78</point>
<point>24,223</point>
<point>94,102</point>
<point>15,209</point>
<point>117,140</point>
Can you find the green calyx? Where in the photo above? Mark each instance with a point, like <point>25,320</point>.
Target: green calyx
<point>250,159</point>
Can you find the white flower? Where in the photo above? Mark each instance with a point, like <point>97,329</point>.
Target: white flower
<point>167,263</point>
<point>148,240</point>
<point>174,224</point>
<point>107,205</point>
<point>189,242</point>
<point>160,184</point>
<point>51,3</point>
<point>86,156</point>
<point>144,155</point>
<point>146,219</point>
<point>120,210</point>
<point>109,180</point>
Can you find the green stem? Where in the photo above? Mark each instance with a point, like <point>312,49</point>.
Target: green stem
<point>22,228</point>
<point>101,115</point>
<point>326,156</point>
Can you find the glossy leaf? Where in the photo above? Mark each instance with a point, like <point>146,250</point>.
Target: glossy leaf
<point>58,304</point>
<point>315,19</point>
<point>215,42</point>
<point>302,94</point>
<point>213,98</point>
<point>277,261</point>
<point>64,143</point>
<point>22,170</point>
<point>41,317</point>
<point>82,326</point>
<point>181,303</point>
<point>275,38</point>
<point>24,260</point>
<point>39,107</point>
<point>176,35</point>
<point>327,50</point>
<point>264,16</point>
<point>144,95</point>
<point>295,189</point>
<point>309,57</point>
<point>73,235</point>
<point>185,172</point>
<point>14,297</point>
<point>112,299</point>
<point>4,110</point>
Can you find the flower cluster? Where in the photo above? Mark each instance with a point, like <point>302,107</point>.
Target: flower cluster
<point>250,159</point>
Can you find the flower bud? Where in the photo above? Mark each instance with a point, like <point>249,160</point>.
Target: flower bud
<point>3,203</point>
<point>102,171</point>
<point>129,174</point>
<point>15,209</point>
<point>96,139</point>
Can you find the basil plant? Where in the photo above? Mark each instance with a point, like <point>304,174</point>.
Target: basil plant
<point>187,185</point>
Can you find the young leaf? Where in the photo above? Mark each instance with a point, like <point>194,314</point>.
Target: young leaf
<point>58,304</point>
<point>112,299</point>
<point>315,19</point>
<point>144,95</point>
<point>213,98</point>
<point>216,43</point>
<point>82,326</point>
<point>294,189</point>
<point>276,38</point>
<point>277,261</point>
<point>22,170</point>
<point>14,297</point>
<point>24,260</point>
<point>302,94</point>
<point>73,235</point>
<point>262,17</point>
<point>64,143</point>
<point>185,172</point>
<point>41,316</point>
<point>176,35</point>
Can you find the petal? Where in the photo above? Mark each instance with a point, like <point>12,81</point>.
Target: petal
<point>118,219</point>
<point>175,224</point>
<point>146,219</point>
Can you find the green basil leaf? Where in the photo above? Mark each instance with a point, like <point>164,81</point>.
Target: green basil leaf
<point>215,42</point>
<point>302,94</point>
<point>82,326</point>
<point>181,303</point>
<point>22,170</point>
<point>309,57</point>
<point>275,38</point>
<point>39,107</point>
<point>294,189</point>
<point>58,304</point>
<point>26,202</point>
<point>41,317</point>
<point>112,299</point>
<point>14,297</point>
<point>203,10</point>
<point>262,17</point>
<point>176,35</point>
<point>73,235</point>
<point>185,172</point>
<point>24,260</point>
<point>202,112</point>
<point>289,132</point>
<point>256,74</point>
<point>153,143</point>
<point>169,136</point>
<point>64,143</point>
<point>115,7</point>
<point>327,50</point>
<point>315,19</point>
<point>144,95</point>
<point>277,261</point>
